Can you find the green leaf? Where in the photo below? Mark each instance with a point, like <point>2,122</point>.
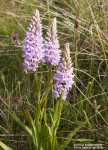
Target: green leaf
<point>65,143</point>
<point>88,122</point>
<point>49,129</point>
<point>50,136</point>
<point>34,133</point>
<point>4,146</point>
<point>56,111</point>
<point>41,148</point>
<point>52,120</point>
<point>60,105</point>
<point>45,94</point>
<point>22,124</point>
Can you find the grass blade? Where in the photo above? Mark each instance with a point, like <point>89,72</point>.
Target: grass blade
<point>22,124</point>
<point>4,146</point>
<point>88,122</point>
<point>65,143</point>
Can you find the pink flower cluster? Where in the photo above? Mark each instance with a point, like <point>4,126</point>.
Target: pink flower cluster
<point>34,52</point>
<point>64,79</point>
<point>51,46</point>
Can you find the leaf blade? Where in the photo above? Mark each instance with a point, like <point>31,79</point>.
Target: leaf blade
<point>5,147</point>
<point>22,124</point>
<point>65,143</point>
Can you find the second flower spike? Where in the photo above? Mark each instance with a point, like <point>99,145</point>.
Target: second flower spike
<point>51,46</point>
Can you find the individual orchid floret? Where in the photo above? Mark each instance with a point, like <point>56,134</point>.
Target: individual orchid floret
<point>51,46</point>
<point>33,51</point>
<point>64,76</point>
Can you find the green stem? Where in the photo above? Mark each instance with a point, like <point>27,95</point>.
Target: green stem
<point>38,107</point>
<point>48,86</point>
<point>37,87</point>
<point>53,143</point>
<point>59,109</point>
<point>60,105</point>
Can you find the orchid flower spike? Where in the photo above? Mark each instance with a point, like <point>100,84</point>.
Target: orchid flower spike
<point>33,48</point>
<point>51,46</point>
<point>64,75</point>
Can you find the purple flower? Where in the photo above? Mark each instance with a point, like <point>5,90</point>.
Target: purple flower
<point>33,52</point>
<point>15,99</point>
<point>14,36</point>
<point>51,46</point>
<point>64,76</point>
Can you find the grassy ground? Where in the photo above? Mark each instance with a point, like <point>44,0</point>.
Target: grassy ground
<point>83,24</point>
